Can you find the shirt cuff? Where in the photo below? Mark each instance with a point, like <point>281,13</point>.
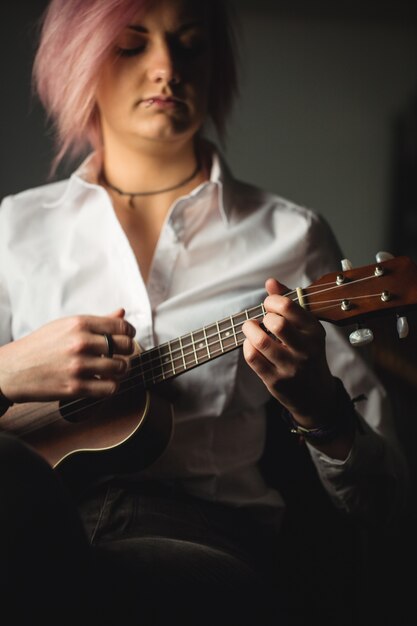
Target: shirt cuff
<point>367,449</point>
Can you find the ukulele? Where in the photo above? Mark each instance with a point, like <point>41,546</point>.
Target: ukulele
<point>131,429</point>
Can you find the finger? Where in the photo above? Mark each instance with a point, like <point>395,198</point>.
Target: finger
<point>290,310</point>
<point>114,368</point>
<point>94,387</point>
<point>283,330</point>
<point>273,287</point>
<point>88,343</point>
<point>108,345</point>
<point>118,313</point>
<point>269,373</point>
<point>256,360</point>
<point>85,368</point>
<point>299,330</point>
<point>112,325</point>
<point>98,377</point>
<point>276,353</point>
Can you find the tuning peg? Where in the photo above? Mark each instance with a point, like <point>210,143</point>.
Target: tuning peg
<point>383,256</point>
<point>346,265</point>
<point>402,327</point>
<point>361,337</point>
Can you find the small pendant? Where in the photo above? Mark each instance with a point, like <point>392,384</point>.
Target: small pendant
<point>131,203</point>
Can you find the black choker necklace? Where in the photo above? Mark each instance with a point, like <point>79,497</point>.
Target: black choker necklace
<point>133,195</point>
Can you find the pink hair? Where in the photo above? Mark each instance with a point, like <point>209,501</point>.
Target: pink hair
<point>75,39</point>
<point>68,61</point>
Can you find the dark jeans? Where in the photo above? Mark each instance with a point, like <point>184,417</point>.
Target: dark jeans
<point>127,553</point>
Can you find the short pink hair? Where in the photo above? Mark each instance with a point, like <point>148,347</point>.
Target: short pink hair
<point>76,37</point>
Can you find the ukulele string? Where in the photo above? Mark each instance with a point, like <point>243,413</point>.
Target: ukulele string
<point>180,354</point>
<point>79,404</point>
<point>308,291</point>
<point>39,412</point>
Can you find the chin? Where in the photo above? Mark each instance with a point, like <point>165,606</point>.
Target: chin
<point>168,133</point>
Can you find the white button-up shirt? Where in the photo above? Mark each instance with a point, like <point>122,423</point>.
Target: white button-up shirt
<point>64,252</point>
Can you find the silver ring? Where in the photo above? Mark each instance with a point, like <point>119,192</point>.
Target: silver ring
<point>110,344</point>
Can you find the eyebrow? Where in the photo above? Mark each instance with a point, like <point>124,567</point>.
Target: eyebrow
<point>184,27</point>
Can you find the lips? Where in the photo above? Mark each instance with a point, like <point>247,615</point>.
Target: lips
<point>160,101</point>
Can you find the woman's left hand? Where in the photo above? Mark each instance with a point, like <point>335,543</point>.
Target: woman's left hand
<point>287,351</point>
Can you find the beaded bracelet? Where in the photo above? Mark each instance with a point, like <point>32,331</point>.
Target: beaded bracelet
<point>345,415</point>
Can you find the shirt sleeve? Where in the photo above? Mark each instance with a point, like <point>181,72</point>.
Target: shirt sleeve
<point>5,307</point>
<point>5,314</point>
<point>372,483</point>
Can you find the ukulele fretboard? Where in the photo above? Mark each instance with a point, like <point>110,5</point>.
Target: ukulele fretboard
<point>178,355</point>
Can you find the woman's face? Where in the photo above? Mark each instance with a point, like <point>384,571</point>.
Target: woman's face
<point>154,85</point>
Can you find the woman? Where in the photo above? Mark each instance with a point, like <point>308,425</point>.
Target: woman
<point>150,239</point>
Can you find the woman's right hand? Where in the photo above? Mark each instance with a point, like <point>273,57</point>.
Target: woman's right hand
<point>67,358</point>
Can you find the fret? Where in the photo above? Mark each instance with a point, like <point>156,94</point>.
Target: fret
<point>150,367</point>
<point>219,336</point>
<point>200,346</point>
<point>172,360</point>
<point>237,322</point>
<point>166,360</point>
<point>146,359</point>
<point>177,356</point>
<point>206,342</point>
<point>233,330</point>
<point>193,349</point>
<point>226,335</point>
<point>136,366</point>
<point>189,351</point>
<point>240,319</point>
<point>193,346</point>
<point>256,312</point>
<point>160,368</point>
<point>156,367</point>
<point>182,353</point>
<point>213,340</point>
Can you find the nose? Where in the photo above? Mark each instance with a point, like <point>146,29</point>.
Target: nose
<point>162,66</point>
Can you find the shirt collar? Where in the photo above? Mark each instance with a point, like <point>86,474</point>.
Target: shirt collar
<point>88,171</point>
<point>220,179</point>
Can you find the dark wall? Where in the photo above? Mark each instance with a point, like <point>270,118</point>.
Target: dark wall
<point>24,148</point>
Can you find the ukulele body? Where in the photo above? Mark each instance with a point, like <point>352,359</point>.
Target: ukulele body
<point>123,433</point>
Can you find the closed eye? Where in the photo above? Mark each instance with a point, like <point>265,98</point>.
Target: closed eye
<point>130,52</point>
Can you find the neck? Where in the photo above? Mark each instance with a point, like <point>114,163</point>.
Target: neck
<point>149,170</point>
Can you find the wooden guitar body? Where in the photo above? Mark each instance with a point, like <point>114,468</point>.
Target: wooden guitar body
<point>83,440</point>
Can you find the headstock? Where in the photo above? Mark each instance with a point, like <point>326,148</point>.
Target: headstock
<point>354,295</point>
